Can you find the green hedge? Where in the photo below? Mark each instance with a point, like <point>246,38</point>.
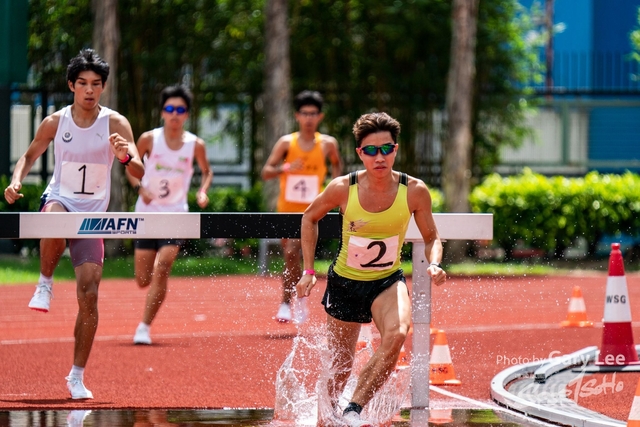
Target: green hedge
<point>228,199</point>
<point>549,213</point>
<point>437,200</point>
<point>29,203</point>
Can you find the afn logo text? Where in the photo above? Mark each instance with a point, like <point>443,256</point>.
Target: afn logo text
<point>111,226</point>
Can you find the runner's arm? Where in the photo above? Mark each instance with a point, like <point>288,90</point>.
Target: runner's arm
<point>207,174</point>
<point>272,167</point>
<point>335,195</point>
<point>44,135</point>
<point>420,205</point>
<point>334,157</point>
<point>120,133</point>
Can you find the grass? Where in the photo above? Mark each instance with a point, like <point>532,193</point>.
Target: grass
<point>19,270</point>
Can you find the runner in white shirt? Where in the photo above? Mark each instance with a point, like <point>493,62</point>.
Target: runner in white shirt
<point>169,153</point>
<point>86,138</point>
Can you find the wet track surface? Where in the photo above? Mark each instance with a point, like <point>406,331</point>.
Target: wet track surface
<point>216,346</point>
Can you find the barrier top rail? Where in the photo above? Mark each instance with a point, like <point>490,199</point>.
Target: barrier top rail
<point>192,225</point>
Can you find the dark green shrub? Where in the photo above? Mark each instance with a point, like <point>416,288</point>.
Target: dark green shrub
<point>29,203</point>
<point>550,213</point>
<point>225,199</point>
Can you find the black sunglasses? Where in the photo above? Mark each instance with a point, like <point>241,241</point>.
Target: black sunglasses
<point>372,150</point>
<point>170,109</point>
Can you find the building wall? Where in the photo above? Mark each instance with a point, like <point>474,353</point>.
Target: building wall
<point>593,76</point>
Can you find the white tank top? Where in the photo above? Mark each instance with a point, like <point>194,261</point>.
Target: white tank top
<point>168,174</point>
<point>81,179</point>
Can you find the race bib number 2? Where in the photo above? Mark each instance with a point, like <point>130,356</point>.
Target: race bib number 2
<point>369,254</point>
<point>301,188</point>
<point>83,180</point>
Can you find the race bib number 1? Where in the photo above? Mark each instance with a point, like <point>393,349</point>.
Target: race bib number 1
<point>83,180</point>
<point>369,254</point>
<point>301,188</point>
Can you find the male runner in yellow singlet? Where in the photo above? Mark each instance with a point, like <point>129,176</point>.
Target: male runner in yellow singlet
<point>299,160</point>
<point>365,281</point>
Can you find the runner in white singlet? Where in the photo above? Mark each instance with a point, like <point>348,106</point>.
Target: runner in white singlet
<point>169,153</point>
<point>86,138</point>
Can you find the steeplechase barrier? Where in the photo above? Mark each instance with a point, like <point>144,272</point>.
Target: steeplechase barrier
<point>127,225</point>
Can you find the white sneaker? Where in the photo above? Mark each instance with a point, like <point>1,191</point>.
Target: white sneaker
<point>77,389</point>
<point>41,298</point>
<point>142,335</point>
<point>76,418</point>
<point>284,313</point>
<point>301,311</point>
<point>352,418</point>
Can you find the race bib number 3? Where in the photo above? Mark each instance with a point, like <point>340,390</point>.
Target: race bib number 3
<point>301,188</point>
<point>369,254</point>
<point>83,180</point>
<point>166,190</point>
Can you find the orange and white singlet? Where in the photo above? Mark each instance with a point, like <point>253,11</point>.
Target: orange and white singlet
<point>371,242</point>
<point>297,190</point>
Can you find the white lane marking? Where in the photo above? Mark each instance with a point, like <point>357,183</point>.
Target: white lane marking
<point>475,403</point>
<point>158,336</point>
<point>484,405</point>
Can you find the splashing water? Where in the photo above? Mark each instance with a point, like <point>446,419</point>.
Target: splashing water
<point>302,396</point>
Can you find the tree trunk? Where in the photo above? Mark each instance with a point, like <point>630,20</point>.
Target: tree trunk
<point>457,155</point>
<point>106,42</point>
<point>277,95</point>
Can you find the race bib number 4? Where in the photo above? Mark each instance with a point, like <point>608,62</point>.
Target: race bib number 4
<point>301,188</point>
<point>369,254</point>
<point>83,180</point>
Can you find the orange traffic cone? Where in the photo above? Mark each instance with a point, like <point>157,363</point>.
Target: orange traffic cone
<point>440,416</point>
<point>577,316</point>
<point>617,336</point>
<point>440,365</point>
<point>634,414</point>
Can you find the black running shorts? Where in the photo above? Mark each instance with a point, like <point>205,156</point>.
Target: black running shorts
<point>350,300</point>
<point>156,244</point>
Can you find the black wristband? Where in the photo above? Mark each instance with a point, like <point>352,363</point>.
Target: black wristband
<point>437,264</point>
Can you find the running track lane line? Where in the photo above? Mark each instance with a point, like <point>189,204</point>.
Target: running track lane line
<point>483,405</point>
<point>156,336</point>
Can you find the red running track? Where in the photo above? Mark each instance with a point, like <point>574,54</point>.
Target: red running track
<point>217,346</point>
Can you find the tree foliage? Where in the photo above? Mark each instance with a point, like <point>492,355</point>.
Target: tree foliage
<point>634,38</point>
<point>363,55</point>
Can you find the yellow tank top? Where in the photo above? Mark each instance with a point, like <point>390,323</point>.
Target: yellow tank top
<point>298,189</point>
<point>371,242</point>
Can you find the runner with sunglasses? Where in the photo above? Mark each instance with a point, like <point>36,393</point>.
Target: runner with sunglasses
<point>299,160</point>
<point>169,153</point>
<point>365,281</point>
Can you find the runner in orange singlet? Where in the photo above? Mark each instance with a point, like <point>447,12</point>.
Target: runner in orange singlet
<point>300,161</point>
